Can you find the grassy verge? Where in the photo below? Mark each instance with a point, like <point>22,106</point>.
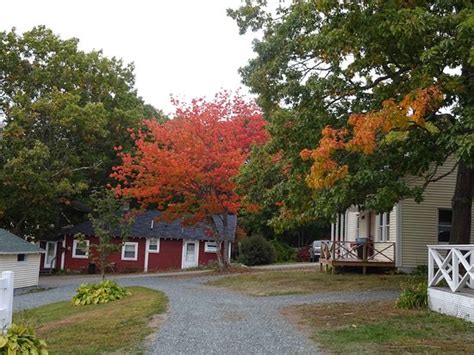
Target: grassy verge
<point>274,283</point>
<point>379,328</point>
<point>119,326</point>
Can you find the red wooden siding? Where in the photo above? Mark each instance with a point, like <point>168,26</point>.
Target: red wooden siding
<point>205,258</point>
<point>79,264</point>
<point>169,257</point>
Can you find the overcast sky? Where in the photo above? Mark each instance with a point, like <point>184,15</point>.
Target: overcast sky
<point>187,48</point>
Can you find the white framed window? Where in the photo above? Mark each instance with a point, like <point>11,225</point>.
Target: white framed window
<point>130,251</point>
<point>210,247</point>
<point>445,216</point>
<point>383,220</point>
<point>80,249</point>
<point>153,245</point>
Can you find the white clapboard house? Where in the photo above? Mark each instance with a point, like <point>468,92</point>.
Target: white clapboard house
<point>21,257</point>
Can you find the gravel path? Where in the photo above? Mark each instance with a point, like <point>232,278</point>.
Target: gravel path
<point>210,320</point>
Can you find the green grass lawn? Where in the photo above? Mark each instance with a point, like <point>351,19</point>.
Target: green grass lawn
<point>120,326</point>
<point>273,283</point>
<point>380,328</point>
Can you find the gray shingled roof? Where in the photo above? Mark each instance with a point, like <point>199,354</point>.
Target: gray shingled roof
<point>144,228</point>
<point>11,244</point>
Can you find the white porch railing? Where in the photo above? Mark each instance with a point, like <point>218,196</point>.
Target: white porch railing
<point>6,300</point>
<point>452,263</point>
<point>350,251</point>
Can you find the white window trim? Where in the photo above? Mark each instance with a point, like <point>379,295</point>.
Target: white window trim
<point>439,224</point>
<point>157,245</point>
<point>210,250</point>
<point>74,248</point>
<point>135,245</point>
<point>383,230</point>
<point>46,247</point>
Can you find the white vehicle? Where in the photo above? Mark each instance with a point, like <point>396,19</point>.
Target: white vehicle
<point>315,249</point>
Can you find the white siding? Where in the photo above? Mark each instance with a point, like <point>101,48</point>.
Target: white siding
<point>364,220</point>
<point>419,222</point>
<point>26,272</point>
<point>351,226</point>
<point>393,224</point>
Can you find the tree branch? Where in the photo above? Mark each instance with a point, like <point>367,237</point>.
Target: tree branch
<point>78,169</point>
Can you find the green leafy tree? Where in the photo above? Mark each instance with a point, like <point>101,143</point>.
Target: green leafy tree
<point>318,62</point>
<point>109,223</point>
<point>63,111</point>
<point>268,191</point>
<point>149,111</point>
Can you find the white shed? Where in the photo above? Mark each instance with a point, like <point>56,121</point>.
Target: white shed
<point>21,257</point>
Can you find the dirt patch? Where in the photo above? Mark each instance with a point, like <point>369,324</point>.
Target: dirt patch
<point>321,316</point>
<point>73,319</point>
<point>155,322</point>
<point>234,269</point>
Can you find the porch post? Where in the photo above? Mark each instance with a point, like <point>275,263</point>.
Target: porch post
<point>430,266</point>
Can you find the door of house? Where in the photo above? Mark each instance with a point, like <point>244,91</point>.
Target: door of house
<point>50,255</point>
<point>190,254</point>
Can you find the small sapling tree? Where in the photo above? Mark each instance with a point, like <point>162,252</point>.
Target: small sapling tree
<point>110,222</point>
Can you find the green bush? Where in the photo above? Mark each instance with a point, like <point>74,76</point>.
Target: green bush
<point>103,292</point>
<point>21,340</point>
<point>283,252</point>
<point>256,250</point>
<point>421,270</point>
<point>414,295</point>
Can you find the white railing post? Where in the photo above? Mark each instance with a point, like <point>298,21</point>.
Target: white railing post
<point>470,283</point>
<point>430,266</point>
<point>455,265</point>
<point>6,300</point>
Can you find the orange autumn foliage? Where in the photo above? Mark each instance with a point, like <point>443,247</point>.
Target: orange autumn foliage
<point>366,132</point>
<point>186,165</point>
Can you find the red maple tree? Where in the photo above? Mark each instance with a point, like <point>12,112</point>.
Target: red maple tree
<point>186,165</point>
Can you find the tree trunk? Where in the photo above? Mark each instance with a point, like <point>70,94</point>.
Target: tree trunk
<point>462,205</point>
<point>103,260</point>
<point>220,263</point>
<point>225,256</point>
<point>225,226</point>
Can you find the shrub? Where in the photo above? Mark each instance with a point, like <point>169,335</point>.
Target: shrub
<point>302,254</point>
<point>421,270</point>
<point>103,292</point>
<point>414,295</point>
<point>21,340</point>
<point>256,250</point>
<point>283,252</point>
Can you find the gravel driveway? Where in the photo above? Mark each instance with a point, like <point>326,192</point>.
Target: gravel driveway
<point>210,320</point>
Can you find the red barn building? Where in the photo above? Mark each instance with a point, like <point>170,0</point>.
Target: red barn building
<point>152,246</point>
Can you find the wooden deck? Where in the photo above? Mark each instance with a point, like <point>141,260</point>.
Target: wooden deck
<point>370,254</point>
